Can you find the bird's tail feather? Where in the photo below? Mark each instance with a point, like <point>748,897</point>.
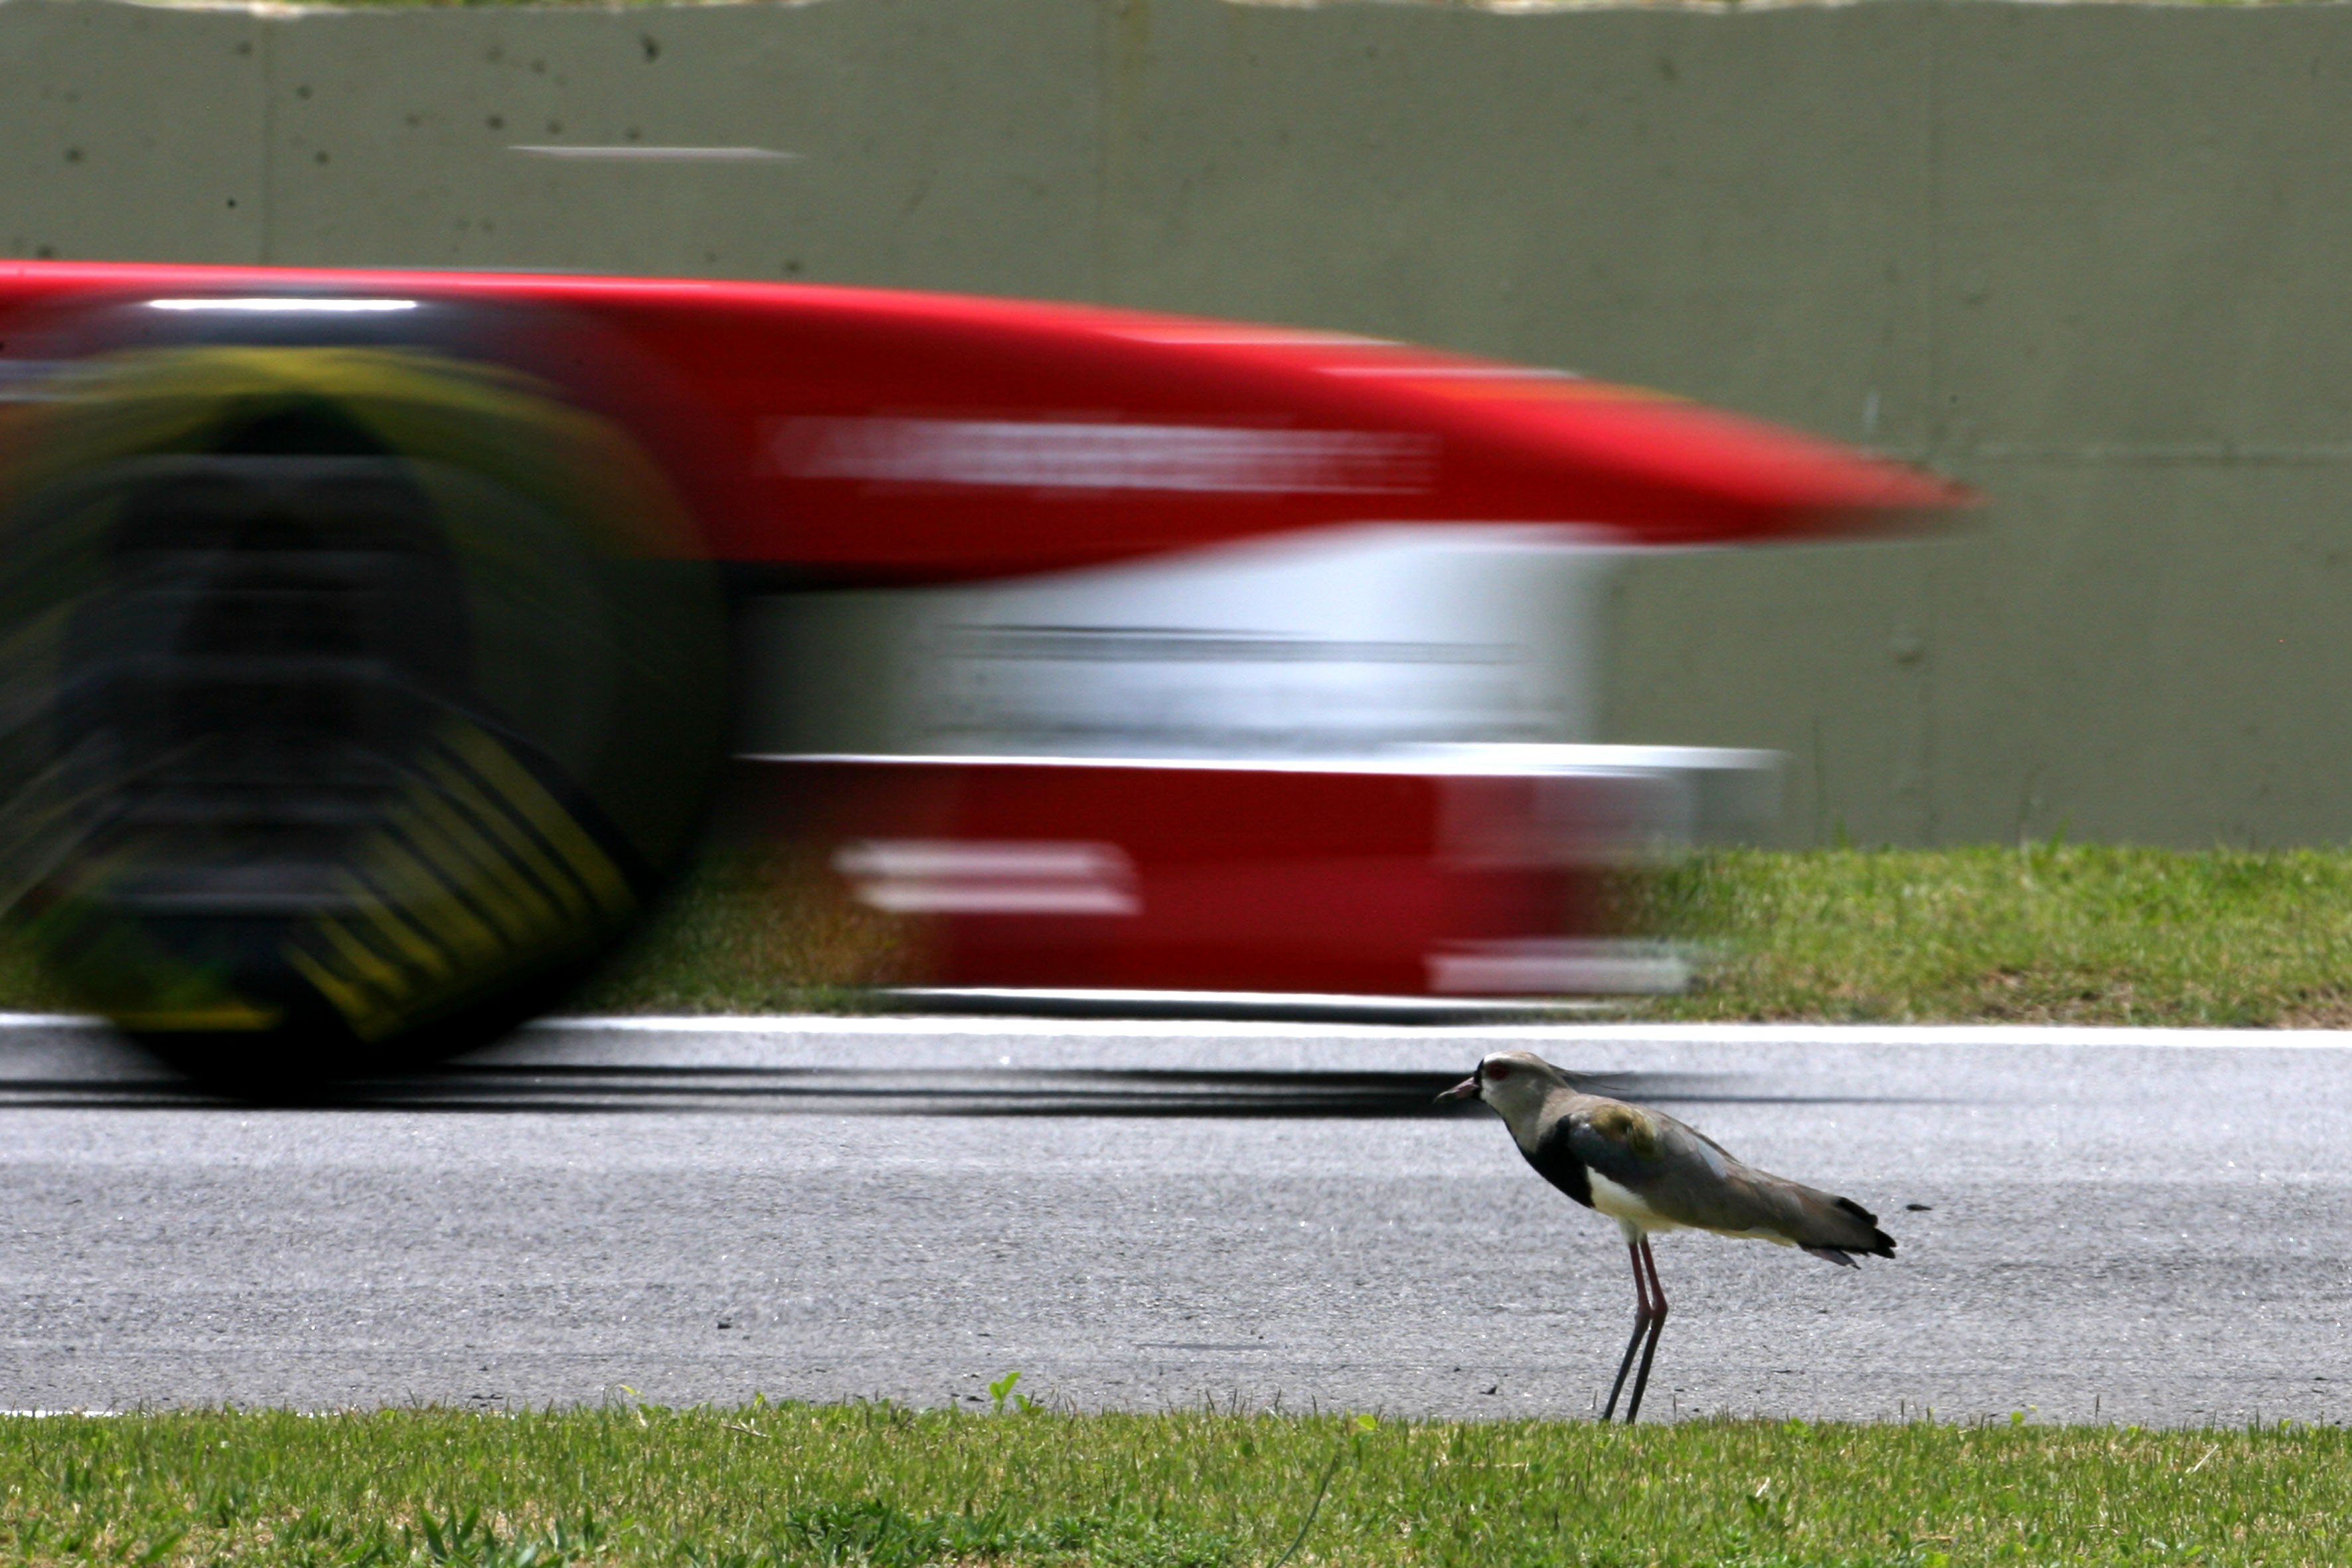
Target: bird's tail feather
<point>1881,1244</point>
<point>1828,1226</point>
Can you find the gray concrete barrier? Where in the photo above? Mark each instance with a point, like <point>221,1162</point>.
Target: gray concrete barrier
<point>2095,260</point>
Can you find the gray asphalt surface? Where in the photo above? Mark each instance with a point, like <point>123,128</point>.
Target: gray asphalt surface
<point>2122,1227</point>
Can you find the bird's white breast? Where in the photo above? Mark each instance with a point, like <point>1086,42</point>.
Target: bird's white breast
<point>1624,1204</point>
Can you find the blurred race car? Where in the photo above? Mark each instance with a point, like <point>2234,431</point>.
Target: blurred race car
<point>375,641</point>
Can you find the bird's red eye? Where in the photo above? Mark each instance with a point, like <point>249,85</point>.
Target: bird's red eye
<point>1499,1070</point>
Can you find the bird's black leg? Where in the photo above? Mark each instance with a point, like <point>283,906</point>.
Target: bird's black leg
<point>1642,1315</point>
<point>1644,1260</point>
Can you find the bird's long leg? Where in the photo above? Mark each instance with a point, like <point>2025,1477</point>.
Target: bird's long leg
<point>1644,1259</point>
<point>1642,1315</point>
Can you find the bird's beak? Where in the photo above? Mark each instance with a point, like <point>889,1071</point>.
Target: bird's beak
<point>1466,1090</point>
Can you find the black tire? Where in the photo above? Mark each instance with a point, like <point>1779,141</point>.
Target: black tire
<point>355,695</point>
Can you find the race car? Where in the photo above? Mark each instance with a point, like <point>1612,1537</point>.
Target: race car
<point>378,642</point>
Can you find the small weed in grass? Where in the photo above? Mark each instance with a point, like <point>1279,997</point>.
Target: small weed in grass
<point>890,1488</point>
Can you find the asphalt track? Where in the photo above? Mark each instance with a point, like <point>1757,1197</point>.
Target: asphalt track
<point>2116,1226</point>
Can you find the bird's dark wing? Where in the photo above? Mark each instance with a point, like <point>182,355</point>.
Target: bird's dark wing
<point>1687,1177</point>
<point>1636,1147</point>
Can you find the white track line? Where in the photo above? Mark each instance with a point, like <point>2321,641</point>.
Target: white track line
<point>1679,1034</point>
<point>969,1024</point>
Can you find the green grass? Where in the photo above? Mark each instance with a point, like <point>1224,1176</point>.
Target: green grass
<point>890,1488</point>
<point>2078,933</point>
<point>1442,5</point>
<point>2075,933</point>
<point>23,987</point>
<point>757,930</point>
<point>2084,934</point>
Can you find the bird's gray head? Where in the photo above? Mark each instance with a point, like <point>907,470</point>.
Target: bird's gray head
<point>1514,1083</point>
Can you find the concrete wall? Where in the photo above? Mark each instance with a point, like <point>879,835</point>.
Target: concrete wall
<point>2095,260</point>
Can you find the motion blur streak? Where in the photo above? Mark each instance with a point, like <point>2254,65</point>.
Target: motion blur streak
<point>288,305</point>
<point>1036,454</point>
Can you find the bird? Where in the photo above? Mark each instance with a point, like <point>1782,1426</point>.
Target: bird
<point>1650,1173</point>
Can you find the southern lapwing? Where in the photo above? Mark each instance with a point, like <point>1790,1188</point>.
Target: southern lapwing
<point>1649,1171</point>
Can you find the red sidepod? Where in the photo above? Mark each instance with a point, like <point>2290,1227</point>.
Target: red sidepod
<point>1435,877</point>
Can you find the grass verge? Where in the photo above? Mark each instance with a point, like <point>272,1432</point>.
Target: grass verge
<point>891,1488</point>
<point>2070,933</point>
<point>2065,933</point>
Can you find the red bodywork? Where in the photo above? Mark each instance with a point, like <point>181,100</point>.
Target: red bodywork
<point>864,437</point>
<point>1344,879</point>
<point>1434,437</point>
